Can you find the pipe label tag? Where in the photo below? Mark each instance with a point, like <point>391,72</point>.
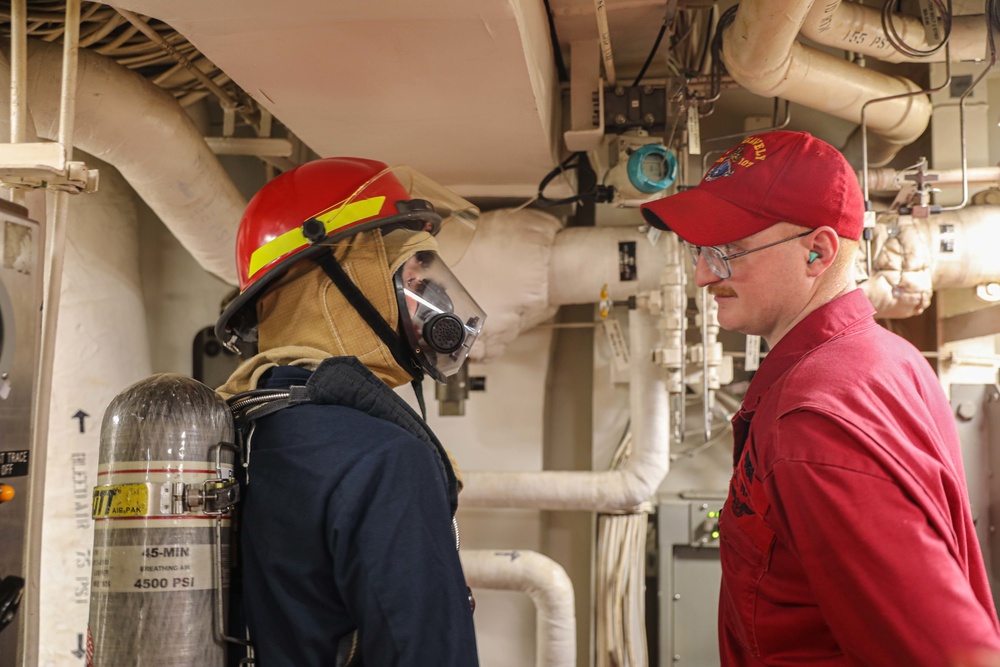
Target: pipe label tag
<point>618,344</point>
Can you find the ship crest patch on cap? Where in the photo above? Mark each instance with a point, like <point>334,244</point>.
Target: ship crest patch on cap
<point>746,154</point>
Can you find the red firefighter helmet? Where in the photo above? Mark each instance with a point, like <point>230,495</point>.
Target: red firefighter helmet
<point>301,212</point>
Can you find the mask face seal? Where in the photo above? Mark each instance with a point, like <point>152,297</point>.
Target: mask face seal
<point>439,318</point>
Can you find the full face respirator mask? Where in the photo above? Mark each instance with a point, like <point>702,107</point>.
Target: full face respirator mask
<point>439,319</point>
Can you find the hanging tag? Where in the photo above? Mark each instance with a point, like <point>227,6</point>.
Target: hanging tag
<point>619,347</point>
<point>752,359</point>
<point>653,235</point>
<point>694,130</point>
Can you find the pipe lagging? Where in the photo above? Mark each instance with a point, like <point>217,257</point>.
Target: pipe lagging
<point>549,588</point>
<point>917,256</point>
<point>762,55</point>
<point>857,28</point>
<point>139,128</point>
<point>619,490</point>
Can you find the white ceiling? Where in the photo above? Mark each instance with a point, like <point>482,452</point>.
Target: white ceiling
<point>464,90</point>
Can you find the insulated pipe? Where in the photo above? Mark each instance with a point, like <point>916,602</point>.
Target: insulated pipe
<point>858,28</point>
<point>975,228</point>
<point>140,129</point>
<point>598,491</point>
<point>584,259</point>
<point>549,588</point>
<point>762,55</point>
<point>542,266</point>
<point>882,180</point>
<point>943,251</point>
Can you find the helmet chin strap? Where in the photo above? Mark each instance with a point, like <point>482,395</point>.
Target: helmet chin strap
<point>374,319</point>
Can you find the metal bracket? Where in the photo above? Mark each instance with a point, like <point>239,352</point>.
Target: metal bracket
<point>216,496</point>
<point>44,165</point>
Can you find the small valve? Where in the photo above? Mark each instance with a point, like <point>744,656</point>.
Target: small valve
<point>605,304</point>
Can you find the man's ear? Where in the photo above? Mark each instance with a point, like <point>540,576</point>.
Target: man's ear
<point>822,247</point>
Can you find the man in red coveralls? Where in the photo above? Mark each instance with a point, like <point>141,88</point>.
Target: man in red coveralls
<point>847,537</point>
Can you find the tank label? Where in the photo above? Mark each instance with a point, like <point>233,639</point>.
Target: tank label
<point>154,490</point>
<point>120,500</point>
<point>162,568</point>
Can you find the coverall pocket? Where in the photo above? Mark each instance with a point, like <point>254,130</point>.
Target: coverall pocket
<point>744,564</point>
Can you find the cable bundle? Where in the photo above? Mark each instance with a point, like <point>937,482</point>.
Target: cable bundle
<point>621,580</point>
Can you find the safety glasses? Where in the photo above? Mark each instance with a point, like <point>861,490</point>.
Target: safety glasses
<point>717,259</point>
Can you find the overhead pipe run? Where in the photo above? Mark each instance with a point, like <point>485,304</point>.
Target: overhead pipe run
<point>545,266</point>
<point>762,55</point>
<point>132,124</point>
<point>615,490</point>
<point>857,28</point>
<point>890,180</point>
<point>548,586</point>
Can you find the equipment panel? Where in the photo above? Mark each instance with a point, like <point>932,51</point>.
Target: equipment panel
<point>20,329</point>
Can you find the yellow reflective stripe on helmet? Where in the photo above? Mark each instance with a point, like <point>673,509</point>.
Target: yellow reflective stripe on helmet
<point>332,220</point>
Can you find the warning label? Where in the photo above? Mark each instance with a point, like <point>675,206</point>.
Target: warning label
<point>14,464</point>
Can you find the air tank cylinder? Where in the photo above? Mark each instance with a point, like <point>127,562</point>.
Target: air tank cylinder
<point>156,561</point>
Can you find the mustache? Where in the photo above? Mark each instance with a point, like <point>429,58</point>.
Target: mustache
<point>717,290</point>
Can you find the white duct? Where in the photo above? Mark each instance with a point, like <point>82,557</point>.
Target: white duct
<point>598,491</point>
<point>916,256</point>
<point>549,588</point>
<point>761,53</point>
<point>127,121</point>
<point>855,27</point>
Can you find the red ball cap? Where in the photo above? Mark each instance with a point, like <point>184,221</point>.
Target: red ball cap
<point>767,178</point>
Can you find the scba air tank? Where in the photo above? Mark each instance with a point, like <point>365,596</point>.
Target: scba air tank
<point>162,527</point>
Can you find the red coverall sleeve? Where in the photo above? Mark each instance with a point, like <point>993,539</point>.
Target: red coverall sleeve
<point>886,582</point>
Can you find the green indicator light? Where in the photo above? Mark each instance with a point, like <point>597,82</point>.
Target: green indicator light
<point>715,534</point>
<point>712,515</point>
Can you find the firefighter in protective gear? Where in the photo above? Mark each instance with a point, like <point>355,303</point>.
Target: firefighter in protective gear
<point>347,521</point>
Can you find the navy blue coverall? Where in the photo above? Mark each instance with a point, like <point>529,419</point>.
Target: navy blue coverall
<point>347,523</point>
